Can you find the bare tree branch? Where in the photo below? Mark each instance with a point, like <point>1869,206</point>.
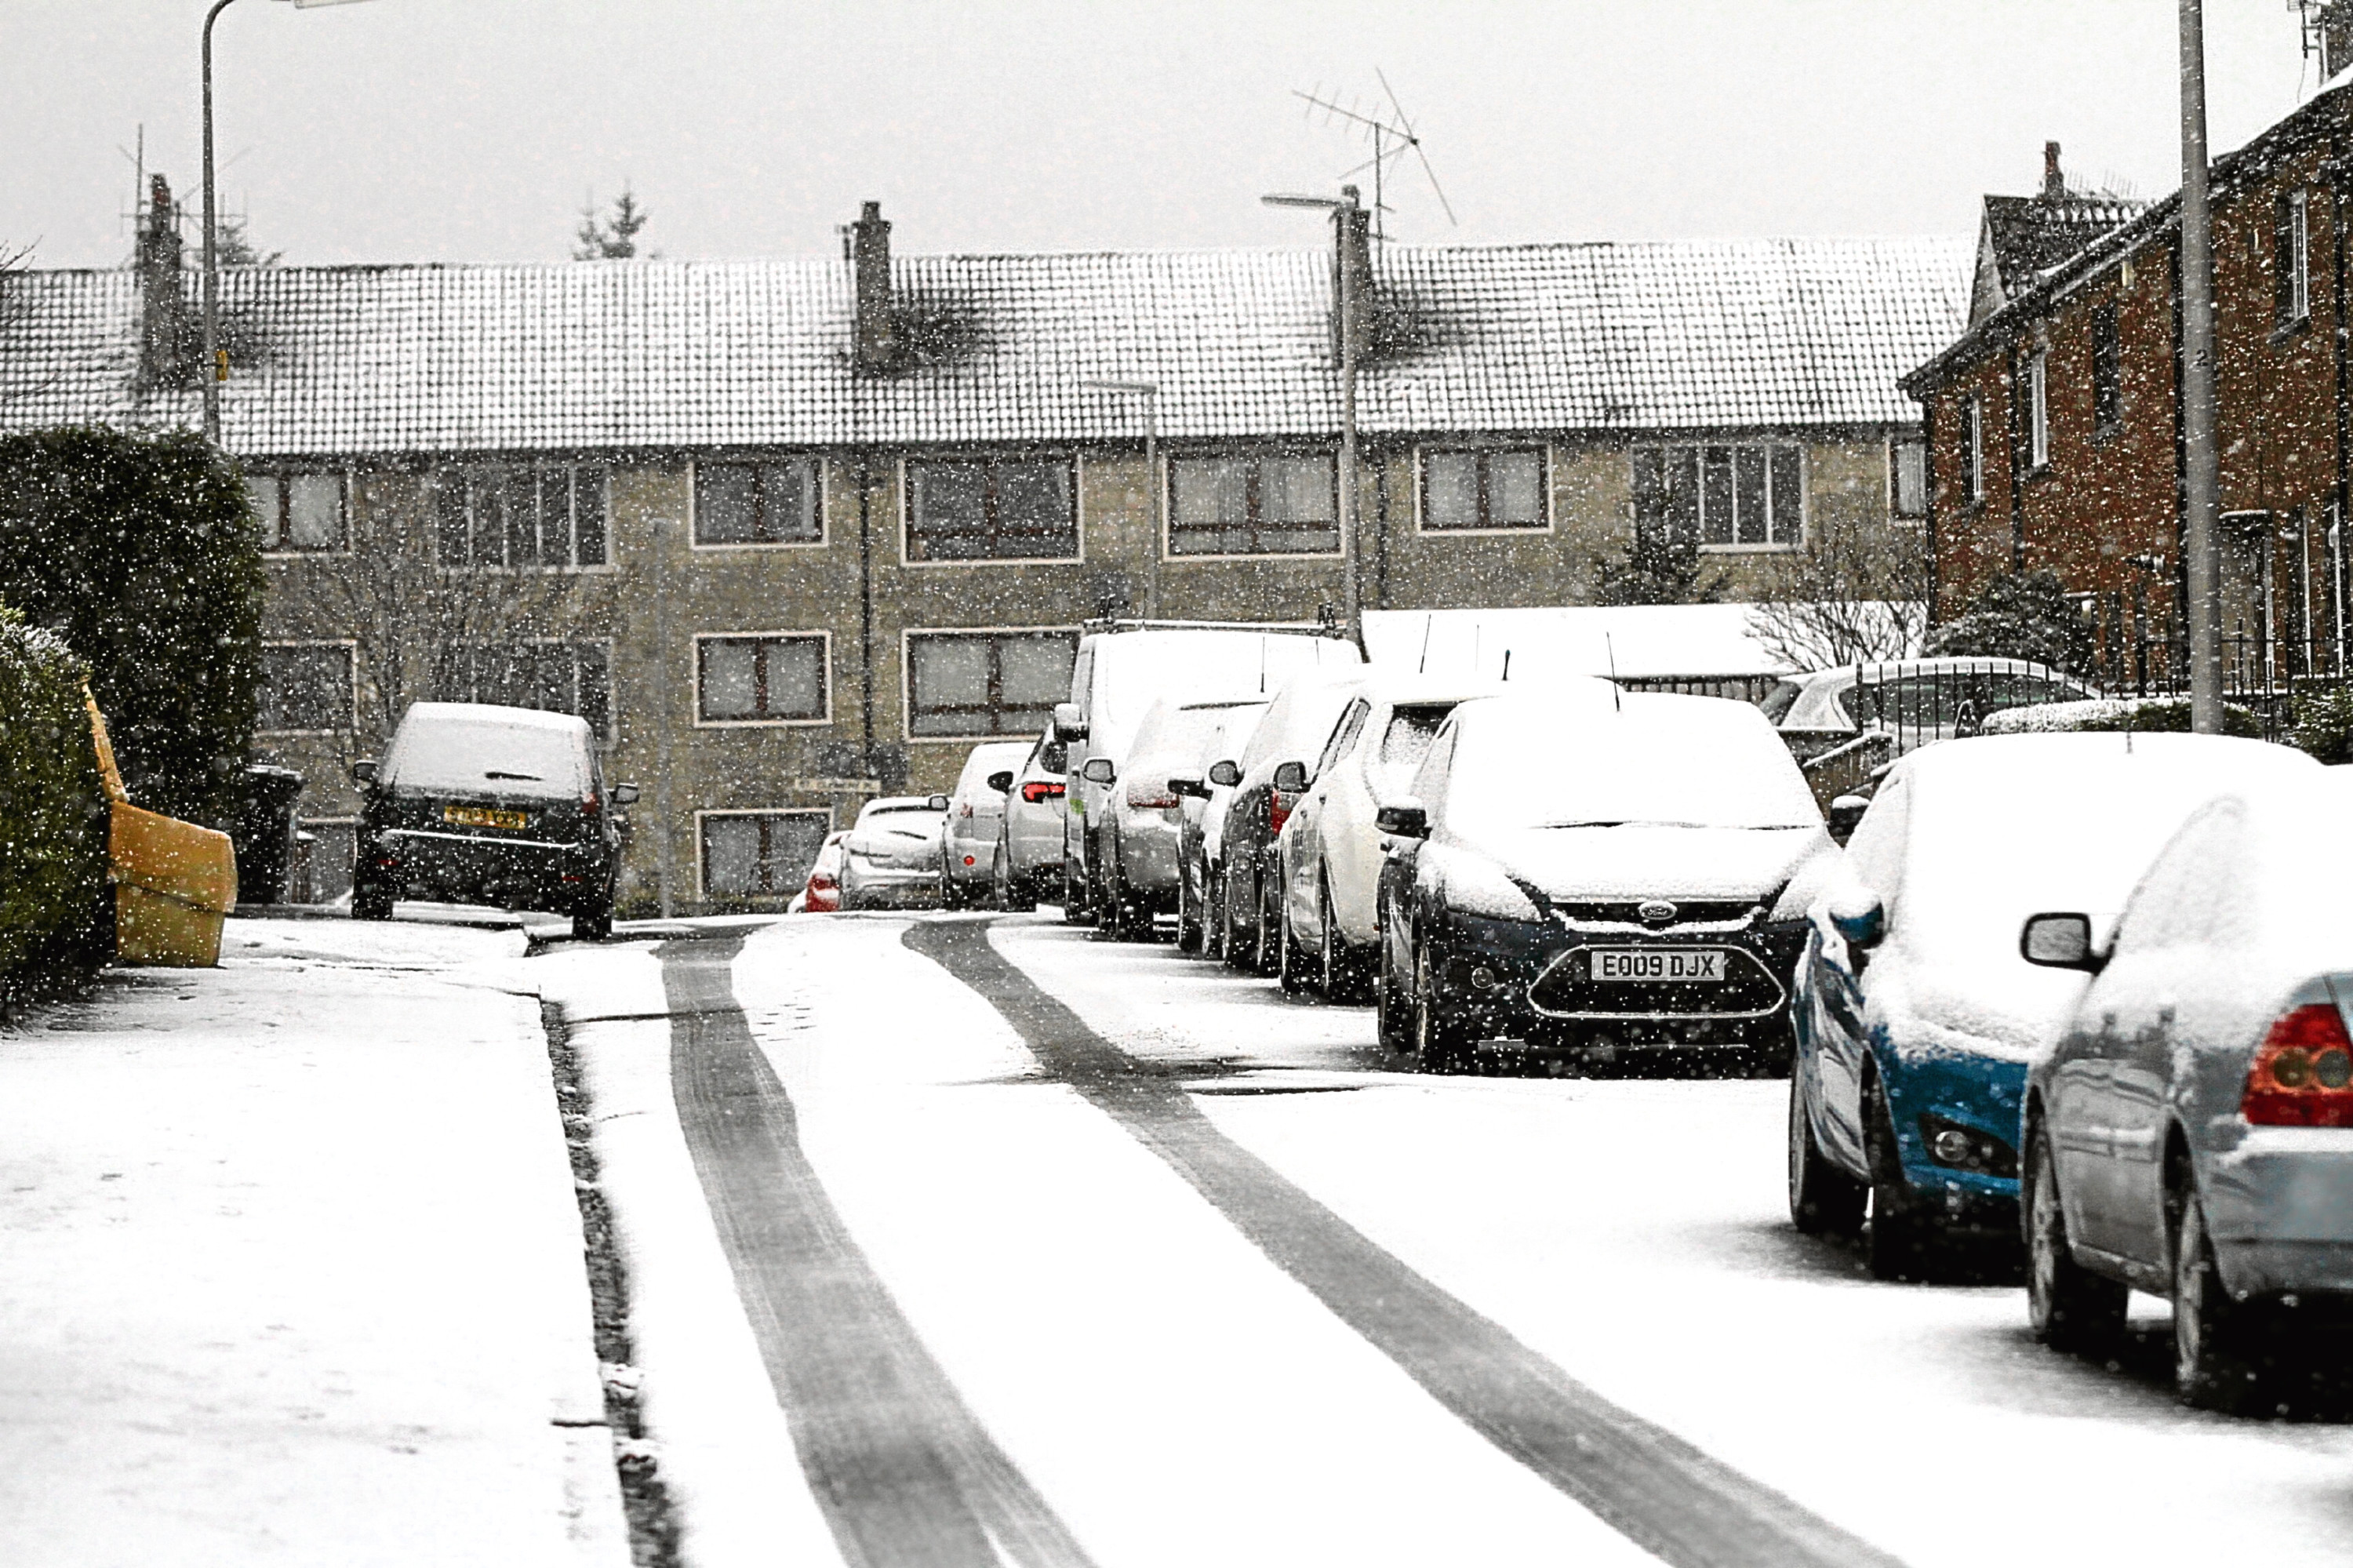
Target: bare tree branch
<point>1857,594</point>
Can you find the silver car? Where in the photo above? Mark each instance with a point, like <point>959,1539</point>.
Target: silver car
<point>892,858</point>
<point>976,821</point>
<point>1029,836</point>
<point>2191,1133</point>
<point>1143,864</point>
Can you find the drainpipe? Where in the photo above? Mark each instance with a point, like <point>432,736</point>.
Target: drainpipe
<point>865,608</point>
<point>665,720</point>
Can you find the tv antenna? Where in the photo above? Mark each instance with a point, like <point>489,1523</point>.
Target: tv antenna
<point>1392,136</point>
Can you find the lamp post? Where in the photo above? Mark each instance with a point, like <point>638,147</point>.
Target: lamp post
<point>216,366</point>
<point>2201,455</point>
<point>1150,392</point>
<point>1348,235</point>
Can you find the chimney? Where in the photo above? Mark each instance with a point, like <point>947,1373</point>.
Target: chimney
<point>163,310</point>
<point>876,347</point>
<point>2336,37</point>
<point>2054,184</point>
<point>1352,268</point>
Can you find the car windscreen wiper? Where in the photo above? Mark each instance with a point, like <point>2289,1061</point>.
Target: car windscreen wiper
<point>528,778</point>
<point>1628,822</point>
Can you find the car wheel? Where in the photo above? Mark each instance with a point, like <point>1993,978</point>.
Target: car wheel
<point>1268,941</point>
<point>1235,949</point>
<point>595,924</point>
<point>1442,1042</point>
<point>2068,1305</point>
<point>1341,977</point>
<point>370,900</point>
<point>1290,964</point>
<point>1191,936</point>
<point>1392,1017</point>
<point>1074,896</point>
<point>1902,1243</point>
<point>1824,1201</point>
<point>2218,1343</point>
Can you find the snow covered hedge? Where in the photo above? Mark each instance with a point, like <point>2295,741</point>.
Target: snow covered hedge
<point>143,552</point>
<point>53,820</point>
<point>2150,716</point>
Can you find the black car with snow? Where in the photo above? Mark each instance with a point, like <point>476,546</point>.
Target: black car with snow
<point>479,804</point>
<point>1596,874</point>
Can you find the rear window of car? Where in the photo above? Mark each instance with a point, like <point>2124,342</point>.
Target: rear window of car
<point>1404,744</point>
<point>487,756</point>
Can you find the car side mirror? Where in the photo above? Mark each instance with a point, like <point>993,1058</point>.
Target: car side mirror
<point>1290,778</point>
<point>1068,724</point>
<point>1001,781</point>
<point>938,803</point>
<point>1188,785</point>
<point>363,771</point>
<point>1404,820</point>
<point>624,794</point>
<point>1860,917</point>
<point>1098,770</point>
<point>1225,775</point>
<point>2060,942</point>
<point>1845,814</point>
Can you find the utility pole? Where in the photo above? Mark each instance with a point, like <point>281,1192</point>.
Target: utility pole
<point>212,365</point>
<point>2201,455</point>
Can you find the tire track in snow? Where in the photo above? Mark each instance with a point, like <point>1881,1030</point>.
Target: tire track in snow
<point>906,1474</point>
<point>1658,1490</point>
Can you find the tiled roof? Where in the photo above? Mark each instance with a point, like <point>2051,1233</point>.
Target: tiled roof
<point>1687,336</point>
<point>2026,237</point>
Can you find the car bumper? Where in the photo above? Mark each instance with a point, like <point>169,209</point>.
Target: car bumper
<point>1147,855</point>
<point>981,858</point>
<point>465,868</point>
<point>1981,1095</point>
<point>889,886</point>
<point>1530,982</point>
<point>2280,1207</point>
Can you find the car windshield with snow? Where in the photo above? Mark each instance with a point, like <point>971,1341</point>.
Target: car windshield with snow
<point>1596,874</point>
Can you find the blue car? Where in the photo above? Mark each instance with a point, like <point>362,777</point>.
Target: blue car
<point>1913,1013</point>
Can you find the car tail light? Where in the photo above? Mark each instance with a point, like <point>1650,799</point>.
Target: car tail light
<point>1041,789</point>
<point>1279,803</point>
<point>590,805</point>
<point>1147,796</point>
<point>821,882</point>
<point>2303,1073</point>
<point>964,810</point>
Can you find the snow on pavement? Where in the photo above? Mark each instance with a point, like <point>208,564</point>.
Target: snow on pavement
<point>290,1267</point>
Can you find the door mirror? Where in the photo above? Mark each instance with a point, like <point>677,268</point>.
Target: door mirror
<point>1068,724</point>
<point>1001,781</point>
<point>1860,917</point>
<point>363,771</point>
<point>1188,785</point>
<point>1845,812</point>
<point>938,803</point>
<point>1098,770</point>
<point>1290,778</point>
<point>1225,775</point>
<point>1404,820</point>
<point>2059,942</point>
<point>624,794</point>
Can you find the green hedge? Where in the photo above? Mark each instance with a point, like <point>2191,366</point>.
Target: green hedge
<point>54,928</point>
<point>143,552</point>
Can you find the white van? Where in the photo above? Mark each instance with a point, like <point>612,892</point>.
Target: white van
<point>1123,668</point>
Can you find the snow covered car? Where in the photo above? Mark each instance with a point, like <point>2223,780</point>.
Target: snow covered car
<point>1915,1013</point>
<point>1329,853</point>
<point>892,858</point>
<point>1271,776</point>
<point>1596,876</point>
<point>1200,821</point>
<point>1912,701</point>
<point>2192,1133</point>
<point>821,894</point>
<point>1030,835</point>
<point>1122,669</point>
<point>1141,861</point>
<point>479,804</point>
<point>975,816</point>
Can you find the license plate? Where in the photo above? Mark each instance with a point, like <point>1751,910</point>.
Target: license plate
<point>1652,966</point>
<point>484,817</point>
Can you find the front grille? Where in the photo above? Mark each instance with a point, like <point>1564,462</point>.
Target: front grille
<point>1567,988</point>
<point>1629,912</point>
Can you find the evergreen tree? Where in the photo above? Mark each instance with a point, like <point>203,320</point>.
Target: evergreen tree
<point>2022,615</point>
<point>613,238</point>
<point>1656,568</point>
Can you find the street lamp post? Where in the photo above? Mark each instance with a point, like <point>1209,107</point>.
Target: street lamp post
<point>1347,221</point>
<point>215,367</point>
<point>2201,456</point>
<point>1150,392</point>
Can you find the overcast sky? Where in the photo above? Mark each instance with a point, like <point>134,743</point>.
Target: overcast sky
<point>472,130</point>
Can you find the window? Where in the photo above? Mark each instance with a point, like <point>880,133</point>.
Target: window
<point>1907,478</point>
<point>989,509</point>
<point>759,678</point>
<point>1726,497</point>
<point>1973,449</point>
<point>2292,252</point>
<point>986,683</point>
<point>760,854</point>
<point>2107,372</point>
<point>1265,503</point>
<point>1343,736</point>
<point>305,686</point>
<point>300,512</point>
<point>557,677</point>
<point>1482,490</point>
<point>2038,410</point>
<point>771,502</point>
<point>520,515</point>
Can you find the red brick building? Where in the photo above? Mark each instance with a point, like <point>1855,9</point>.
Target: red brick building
<point>2054,424</point>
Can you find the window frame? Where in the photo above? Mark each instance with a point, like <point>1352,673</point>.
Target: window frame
<point>1973,447</point>
<point>1076,468</point>
<point>283,478</point>
<point>818,496</point>
<point>469,473</point>
<point>702,859</point>
<point>1735,546</point>
<point>825,673</point>
<point>1542,451</point>
<point>909,636</point>
<point>351,648</point>
<point>2038,410</point>
<point>1896,446</point>
<point>609,736</point>
<point>2292,260</point>
<point>1254,454</point>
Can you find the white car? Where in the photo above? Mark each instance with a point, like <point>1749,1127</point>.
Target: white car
<point>1912,700</point>
<point>1272,776</point>
<point>1142,863</point>
<point>1201,822</point>
<point>1030,835</point>
<point>892,858</point>
<point>975,819</point>
<point>1330,852</point>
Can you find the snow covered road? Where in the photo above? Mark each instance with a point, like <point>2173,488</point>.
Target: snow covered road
<point>1052,1250</point>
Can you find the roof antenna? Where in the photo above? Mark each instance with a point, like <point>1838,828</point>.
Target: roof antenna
<point>1427,622</point>
<point>1392,135</point>
<point>1507,663</point>
<point>1261,666</point>
<point>1616,697</point>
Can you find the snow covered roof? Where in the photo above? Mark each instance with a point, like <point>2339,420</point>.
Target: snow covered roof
<point>618,354</point>
<point>1646,641</point>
